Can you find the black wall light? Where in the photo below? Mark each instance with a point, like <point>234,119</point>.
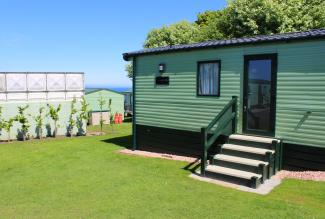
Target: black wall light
<point>162,80</point>
<point>162,68</point>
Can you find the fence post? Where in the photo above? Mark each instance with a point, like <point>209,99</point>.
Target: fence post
<point>204,151</point>
<point>234,110</point>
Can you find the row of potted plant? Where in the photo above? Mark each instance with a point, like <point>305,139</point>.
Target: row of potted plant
<point>77,119</point>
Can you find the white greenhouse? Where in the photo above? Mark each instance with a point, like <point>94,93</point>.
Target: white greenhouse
<point>39,89</point>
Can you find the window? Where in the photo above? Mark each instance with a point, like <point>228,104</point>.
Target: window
<point>208,78</point>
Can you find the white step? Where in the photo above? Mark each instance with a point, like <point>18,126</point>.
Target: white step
<point>247,149</point>
<point>232,172</point>
<point>252,138</point>
<point>239,160</point>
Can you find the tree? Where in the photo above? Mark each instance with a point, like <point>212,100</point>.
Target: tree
<point>179,33</point>
<point>208,25</point>
<point>101,103</point>
<point>39,119</point>
<point>72,120</point>
<point>129,69</point>
<point>83,116</point>
<point>301,15</point>
<point>242,18</point>
<point>23,120</point>
<point>54,114</point>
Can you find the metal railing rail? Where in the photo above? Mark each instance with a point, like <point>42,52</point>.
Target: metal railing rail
<point>206,140</point>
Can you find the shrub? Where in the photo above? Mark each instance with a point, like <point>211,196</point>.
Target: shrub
<point>101,103</point>
<point>83,116</point>
<point>1,121</point>
<point>39,119</point>
<point>23,120</point>
<point>7,125</point>
<point>54,114</point>
<point>111,116</point>
<point>72,121</point>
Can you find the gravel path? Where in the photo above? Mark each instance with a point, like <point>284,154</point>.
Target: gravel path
<point>303,175</point>
<point>95,133</point>
<point>158,155</point>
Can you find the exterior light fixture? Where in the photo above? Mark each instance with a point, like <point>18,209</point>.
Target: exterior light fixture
<point>162,80</point>
<point>162,68</point>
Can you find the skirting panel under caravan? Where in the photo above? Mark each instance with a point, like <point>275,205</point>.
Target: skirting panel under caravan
<point>298,156</point>
<point>188,143</point>
<point>173,141</point>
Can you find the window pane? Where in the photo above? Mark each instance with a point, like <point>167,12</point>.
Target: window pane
<point>259,95</point>
<point>208,78</point>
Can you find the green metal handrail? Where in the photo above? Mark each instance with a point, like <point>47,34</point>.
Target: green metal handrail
<point>207,141</point>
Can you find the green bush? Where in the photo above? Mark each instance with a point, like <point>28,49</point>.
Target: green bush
<point>39,119</point>
<point>54,114</point>
<point>23,120</point>
<point>72,120</point>
<point>101,103</point>
<point>82,117</point>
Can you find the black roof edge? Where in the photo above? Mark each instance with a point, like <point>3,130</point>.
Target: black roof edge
<point>258,39</point>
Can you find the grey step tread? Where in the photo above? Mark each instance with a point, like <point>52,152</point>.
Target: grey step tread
<point>252,138</point>
<point>240,160</point>
<point>247,149</point>
<point>232,172</point>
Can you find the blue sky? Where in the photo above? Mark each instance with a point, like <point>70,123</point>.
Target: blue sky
<point>85,35</point>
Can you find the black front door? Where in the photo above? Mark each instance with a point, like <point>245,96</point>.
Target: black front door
<point>259,94</point>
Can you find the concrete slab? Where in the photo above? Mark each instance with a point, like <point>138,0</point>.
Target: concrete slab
<point>264,189</point>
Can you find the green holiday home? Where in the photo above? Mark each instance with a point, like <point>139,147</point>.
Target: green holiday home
<point>112,100</point>
<point>246,105</point>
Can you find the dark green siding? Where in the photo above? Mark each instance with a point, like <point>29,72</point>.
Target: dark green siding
<point>165,140</point>
<point>297,156</point>
<point>300,88</point>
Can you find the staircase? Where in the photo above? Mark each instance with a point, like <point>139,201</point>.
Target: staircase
<point>244,159</point>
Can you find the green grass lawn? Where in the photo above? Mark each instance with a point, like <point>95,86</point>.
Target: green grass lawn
<point>85,177</point>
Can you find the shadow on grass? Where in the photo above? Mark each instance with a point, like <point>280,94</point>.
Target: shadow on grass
<point>193,166</point>
<point>124,141</point>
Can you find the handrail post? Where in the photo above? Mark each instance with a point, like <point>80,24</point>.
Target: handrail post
<point>205,143</point>
<point>204,151</point>
<point>234,110</point>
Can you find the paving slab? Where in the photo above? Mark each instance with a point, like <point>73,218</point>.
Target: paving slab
<point>263,189</point>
